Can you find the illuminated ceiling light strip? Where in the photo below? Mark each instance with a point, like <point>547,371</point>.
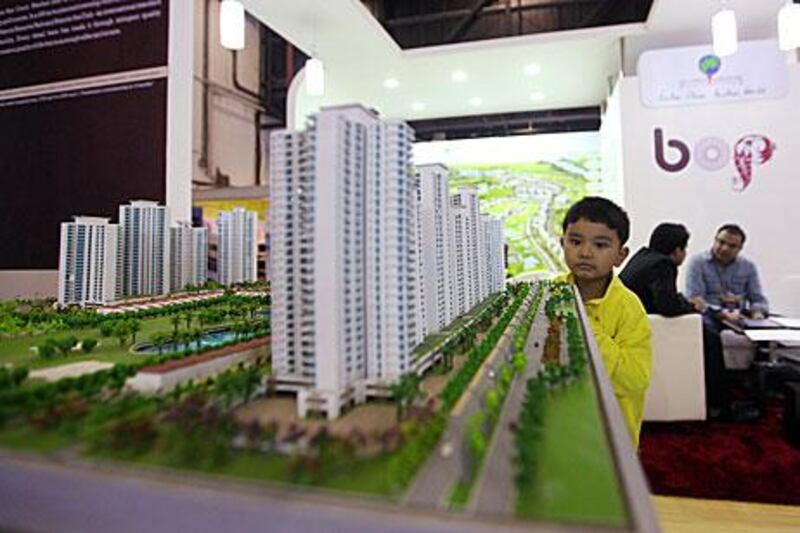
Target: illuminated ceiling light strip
<point>458,76</point>
<point>532,69</point>
<point>231,25</point>
<point>789,26</point>
<point>315,77</point>
<point>724,33</point>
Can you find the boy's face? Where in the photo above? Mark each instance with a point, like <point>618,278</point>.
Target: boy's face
<point>592,250</point>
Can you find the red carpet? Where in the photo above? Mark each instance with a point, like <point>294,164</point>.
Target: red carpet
<point>746,462</point>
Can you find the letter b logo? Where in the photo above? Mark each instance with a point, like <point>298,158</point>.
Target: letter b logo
<point>681,147</point>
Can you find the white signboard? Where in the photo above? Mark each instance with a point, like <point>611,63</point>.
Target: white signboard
<point>694,75</point>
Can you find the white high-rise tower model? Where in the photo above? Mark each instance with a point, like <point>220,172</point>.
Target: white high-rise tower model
<point>144,242</point>
<point>188,255</point>
<point>343,231</point>
<point>87,266</point>
<point>436,239</point>
<point>492,253</point>
<point>237,246</point>
<point>469,271</point>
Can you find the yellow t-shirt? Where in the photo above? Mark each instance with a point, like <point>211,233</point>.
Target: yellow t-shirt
<point>620,327</point>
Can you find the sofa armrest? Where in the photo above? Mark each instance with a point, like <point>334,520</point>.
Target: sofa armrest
<point>677,386</point>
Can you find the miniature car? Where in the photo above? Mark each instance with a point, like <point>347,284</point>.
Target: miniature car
<point>446,450</point>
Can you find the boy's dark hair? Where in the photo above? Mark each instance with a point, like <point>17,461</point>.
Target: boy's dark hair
<point>601,211</point>
<point>667,237</point>
<point>732,228</point>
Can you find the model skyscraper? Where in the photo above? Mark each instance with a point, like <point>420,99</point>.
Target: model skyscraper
<point>144,242</point>
<point>348,220</point>
<point>87,270</point>
<point>346,314</point>
<point>188,255</point>
<point>237,246</point>
<point>436,242</point>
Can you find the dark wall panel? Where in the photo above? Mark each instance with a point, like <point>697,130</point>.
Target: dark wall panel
<point>44,41</point>
<point>81,152</point>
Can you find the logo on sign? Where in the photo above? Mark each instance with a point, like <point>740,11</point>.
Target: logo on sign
<point>709,65</point>
<point>713,153</point>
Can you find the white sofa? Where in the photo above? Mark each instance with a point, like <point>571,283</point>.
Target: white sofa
<point>677,388</point>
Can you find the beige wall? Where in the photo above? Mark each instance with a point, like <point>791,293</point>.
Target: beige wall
<point>28,284</point>
<point>231,134</point>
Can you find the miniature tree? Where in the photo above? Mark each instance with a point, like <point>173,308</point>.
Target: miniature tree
<point>88,344</point>
<point>65,344</point>
<point>159,340</point>
<point>405,391</point>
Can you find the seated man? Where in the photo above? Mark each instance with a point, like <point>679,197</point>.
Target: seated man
<point>651,274</point>
<point>723,281</point>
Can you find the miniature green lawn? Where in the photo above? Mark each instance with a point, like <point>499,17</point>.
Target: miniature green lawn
<point>17,351</point>
<point>576,475</point>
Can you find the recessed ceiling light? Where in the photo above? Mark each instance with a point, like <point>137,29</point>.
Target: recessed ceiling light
<point>417,106</point>
<point>475,101</point>
<point>537,96</point>
<point>458,76</point>
<point>391,83</point>
<point>532,69</point>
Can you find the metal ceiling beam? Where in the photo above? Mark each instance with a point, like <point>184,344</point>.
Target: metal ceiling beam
<point>414,20</point>
<point>467,21</point>
<point>502,124</point>
<point>599,13</point>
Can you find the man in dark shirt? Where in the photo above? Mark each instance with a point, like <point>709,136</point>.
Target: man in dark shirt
<point>652,273</point>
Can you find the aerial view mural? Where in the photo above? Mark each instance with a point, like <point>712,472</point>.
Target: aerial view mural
<point>527,181</point>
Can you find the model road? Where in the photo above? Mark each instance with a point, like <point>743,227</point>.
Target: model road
<point>495,491</point>
<point>42,495</point>
<point>537,237</point>
<point>432,485</point>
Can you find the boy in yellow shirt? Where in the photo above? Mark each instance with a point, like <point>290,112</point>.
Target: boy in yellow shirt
<point>595,232</point>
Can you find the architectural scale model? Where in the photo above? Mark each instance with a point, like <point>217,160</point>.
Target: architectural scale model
<point>143,255</point>
<point>89,259</point>
<point>188,255</point>
<point>349,222</point>
<point>237,246</point>
<point>384,284</point>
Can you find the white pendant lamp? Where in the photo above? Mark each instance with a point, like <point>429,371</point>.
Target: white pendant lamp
<point>315,77</point>
<point>789,26</point>
<point>723,31</point>
<point>231,24</point>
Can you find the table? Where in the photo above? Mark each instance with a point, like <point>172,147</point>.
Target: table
<point>780,335</point>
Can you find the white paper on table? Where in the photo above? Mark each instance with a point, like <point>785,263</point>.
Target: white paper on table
<point>777,335</point>
<point>792,323</point>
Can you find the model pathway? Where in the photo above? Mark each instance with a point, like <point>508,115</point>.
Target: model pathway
<point>494,491</point>
<point>433,483</point>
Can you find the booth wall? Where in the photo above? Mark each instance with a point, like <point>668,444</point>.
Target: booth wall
<point>703,200</point>
<point>166,138</point>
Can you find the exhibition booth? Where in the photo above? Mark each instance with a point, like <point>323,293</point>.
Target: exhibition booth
<point>361,236</point>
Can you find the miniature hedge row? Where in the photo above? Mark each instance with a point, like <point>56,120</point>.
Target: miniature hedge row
<point>530,427</point>
<point>456,386</point>
<point>26,400</point>
<point>481,425</point>
<point>13,322</point>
